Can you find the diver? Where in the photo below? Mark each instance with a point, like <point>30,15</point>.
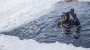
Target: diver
<point>68,23</point>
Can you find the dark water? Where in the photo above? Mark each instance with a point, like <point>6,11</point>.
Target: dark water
<point>46,30</point>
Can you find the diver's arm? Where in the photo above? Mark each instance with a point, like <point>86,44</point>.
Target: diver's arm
<point>76,21</point>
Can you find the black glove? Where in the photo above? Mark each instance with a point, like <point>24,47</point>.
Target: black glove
<point>72,11</point>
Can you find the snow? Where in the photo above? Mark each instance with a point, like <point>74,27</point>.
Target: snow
<point>84,0</point>
<point>14,13</point>
<point>14,43</point>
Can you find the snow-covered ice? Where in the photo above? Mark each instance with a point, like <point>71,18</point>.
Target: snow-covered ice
<point>14,13</point>
<point>14,43</point>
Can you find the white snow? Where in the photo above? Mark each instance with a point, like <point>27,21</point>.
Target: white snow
<point>14,13</point>
<point>14,43</point>
<point>84,0</point>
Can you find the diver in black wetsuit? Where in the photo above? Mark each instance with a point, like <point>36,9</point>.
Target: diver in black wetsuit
<point>67,23</point>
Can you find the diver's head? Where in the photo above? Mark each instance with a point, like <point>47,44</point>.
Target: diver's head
<point>65,16</point>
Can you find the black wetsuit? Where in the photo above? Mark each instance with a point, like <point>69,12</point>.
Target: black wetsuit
<point>66,25</point>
